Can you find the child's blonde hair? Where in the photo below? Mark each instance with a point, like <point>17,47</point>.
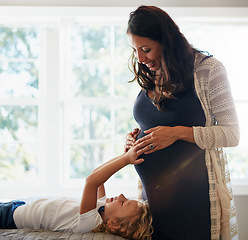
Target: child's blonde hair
<point>136,227</point>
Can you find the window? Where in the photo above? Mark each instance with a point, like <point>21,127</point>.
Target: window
<point>19,78</point>
<point>65,100</point>
<point>98,99</point>
<point>78,112</point>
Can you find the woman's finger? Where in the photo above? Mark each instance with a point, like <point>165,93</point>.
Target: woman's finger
<point>145,147</point>
<point>151,130</point>
<point>149,149</point>
<point>152,149</point>
<point>146,143</point>
<point>145,138</point>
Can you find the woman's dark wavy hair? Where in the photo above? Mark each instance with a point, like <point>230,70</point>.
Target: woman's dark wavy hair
<point>177,70</point>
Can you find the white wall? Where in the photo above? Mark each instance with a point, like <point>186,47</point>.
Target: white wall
<point>242,216</point>
<point>98,3</point>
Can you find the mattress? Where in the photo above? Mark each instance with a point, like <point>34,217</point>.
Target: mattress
<point>41,234</point>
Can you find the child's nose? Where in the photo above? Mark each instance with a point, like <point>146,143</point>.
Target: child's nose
<point>122,197</point>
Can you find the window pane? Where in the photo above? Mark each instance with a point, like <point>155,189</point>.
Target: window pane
<point>124,122</point>
<point>122,49</point>
<point>90,42</point>
<point>228,43</point>
<point>19,49</point>
<point>124,88</point>
<point>18,123</point>
<point>18,161</point>
<point>122,73</point>
<point>90,80</point>
<point>90,122</point>
<point>16,42</point>
<point>18,79</point>
<point>238,156</point>
<point>18,142</point>
<point>85,158</point>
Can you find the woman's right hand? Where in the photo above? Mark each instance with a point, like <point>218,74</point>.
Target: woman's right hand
<point>131,138</point>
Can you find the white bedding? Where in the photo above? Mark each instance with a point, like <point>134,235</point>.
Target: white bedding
<point>40,234</point>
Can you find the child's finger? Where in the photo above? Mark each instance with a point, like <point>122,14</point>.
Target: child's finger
<point>136,133</point>
<point>139,161</point>
<point>135,130</point>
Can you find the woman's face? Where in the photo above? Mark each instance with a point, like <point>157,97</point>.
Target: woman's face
<point>147,51</point>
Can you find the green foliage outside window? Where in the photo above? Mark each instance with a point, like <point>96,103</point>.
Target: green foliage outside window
<point>18,123</point>
<point>99,72</point>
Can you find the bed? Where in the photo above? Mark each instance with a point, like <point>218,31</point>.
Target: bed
<point>40,234</point>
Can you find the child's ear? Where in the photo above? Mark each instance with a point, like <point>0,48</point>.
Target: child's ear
<point>112,224</point>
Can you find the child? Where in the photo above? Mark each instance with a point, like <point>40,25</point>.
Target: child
<point>120,216</point>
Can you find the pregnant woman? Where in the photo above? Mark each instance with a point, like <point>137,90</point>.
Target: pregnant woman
<point>186,116</point>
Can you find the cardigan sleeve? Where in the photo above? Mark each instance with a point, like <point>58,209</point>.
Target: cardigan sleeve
<point>213,89</point>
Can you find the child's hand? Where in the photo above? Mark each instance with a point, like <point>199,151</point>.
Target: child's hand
<point>131,138</point>
<point>131,156</point>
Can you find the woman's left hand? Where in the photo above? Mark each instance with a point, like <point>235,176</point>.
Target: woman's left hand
<point>163,136</point>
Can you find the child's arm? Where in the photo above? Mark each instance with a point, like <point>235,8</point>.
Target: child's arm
<point>99,176</point>
<point>101,191</point>
<point>101,188</point>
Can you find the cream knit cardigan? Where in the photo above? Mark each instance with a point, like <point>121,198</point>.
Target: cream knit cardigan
<point>221,130</point>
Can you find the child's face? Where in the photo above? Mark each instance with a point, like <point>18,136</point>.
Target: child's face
<point>120,207</point>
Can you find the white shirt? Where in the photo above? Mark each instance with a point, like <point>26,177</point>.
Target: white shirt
<point>60,214</point>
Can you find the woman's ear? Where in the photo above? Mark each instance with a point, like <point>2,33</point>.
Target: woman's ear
<point>112,224</point>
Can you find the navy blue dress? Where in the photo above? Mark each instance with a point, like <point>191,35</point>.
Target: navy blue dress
<point>174,179</point>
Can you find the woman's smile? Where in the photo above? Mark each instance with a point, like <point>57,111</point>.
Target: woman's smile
<point>150,64</point>
<point>146,51</point>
